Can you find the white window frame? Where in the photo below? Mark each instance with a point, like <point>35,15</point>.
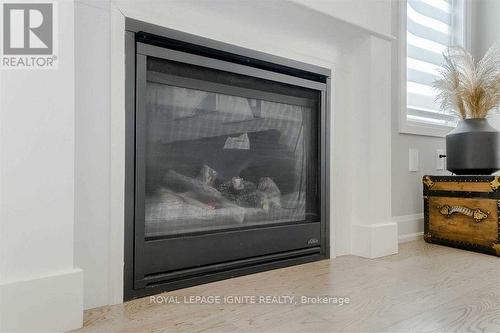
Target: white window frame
<point>412,127</point>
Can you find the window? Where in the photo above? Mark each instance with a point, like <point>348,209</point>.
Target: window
<point>429,27</point>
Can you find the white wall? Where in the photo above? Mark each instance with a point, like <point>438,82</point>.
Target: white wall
<point>406,192</point>
<point>485,32</point>
<point>40,289</point>
<point>485,25</point>
<point>407,205</point>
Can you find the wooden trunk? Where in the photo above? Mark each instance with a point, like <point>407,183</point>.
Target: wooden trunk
<point>463,212</point>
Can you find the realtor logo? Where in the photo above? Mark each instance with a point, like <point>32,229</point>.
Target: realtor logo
<point>28,35</point>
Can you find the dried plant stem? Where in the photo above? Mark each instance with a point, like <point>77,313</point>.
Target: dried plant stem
<point>471,90</point>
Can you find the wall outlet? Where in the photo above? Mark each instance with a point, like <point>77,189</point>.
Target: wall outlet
<point>413,160</point>
<point>440,161</point>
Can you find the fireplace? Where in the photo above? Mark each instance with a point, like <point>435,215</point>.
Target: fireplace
<point>227,165</point>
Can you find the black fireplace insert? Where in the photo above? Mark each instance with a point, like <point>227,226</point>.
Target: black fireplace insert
<point>226,161</point>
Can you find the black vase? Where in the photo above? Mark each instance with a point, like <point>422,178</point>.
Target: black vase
<point>472,148</point>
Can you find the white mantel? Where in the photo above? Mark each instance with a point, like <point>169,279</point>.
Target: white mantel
<point>360,60</point>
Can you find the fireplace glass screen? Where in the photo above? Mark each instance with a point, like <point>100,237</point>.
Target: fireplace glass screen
<point>227,151</point>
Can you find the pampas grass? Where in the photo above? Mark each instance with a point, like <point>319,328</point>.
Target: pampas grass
<point>470,89</point>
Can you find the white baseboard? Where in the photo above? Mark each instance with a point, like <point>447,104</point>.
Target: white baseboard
<point>410,237</point>
<point>51,303</point>
<point>375,240</point>
<point>410,227</point>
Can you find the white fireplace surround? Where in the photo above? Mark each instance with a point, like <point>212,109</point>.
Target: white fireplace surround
<point>350,37</point>
<point>360,63</point>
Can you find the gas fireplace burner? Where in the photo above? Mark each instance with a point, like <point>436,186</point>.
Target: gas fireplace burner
<point>226,163</point>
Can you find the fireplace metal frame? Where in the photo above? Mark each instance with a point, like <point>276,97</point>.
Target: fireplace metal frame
<point>194,50</point>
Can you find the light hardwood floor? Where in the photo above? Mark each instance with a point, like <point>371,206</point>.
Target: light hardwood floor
<point>425,288</point>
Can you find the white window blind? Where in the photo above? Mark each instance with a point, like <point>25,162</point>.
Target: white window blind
<point>431,26</point>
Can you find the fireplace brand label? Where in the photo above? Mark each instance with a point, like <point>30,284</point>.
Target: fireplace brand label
<point>29,39</point>
<point>312,241</point>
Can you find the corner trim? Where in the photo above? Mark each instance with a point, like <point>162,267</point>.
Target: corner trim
<point>375,240</point>
<point>52,303</point>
